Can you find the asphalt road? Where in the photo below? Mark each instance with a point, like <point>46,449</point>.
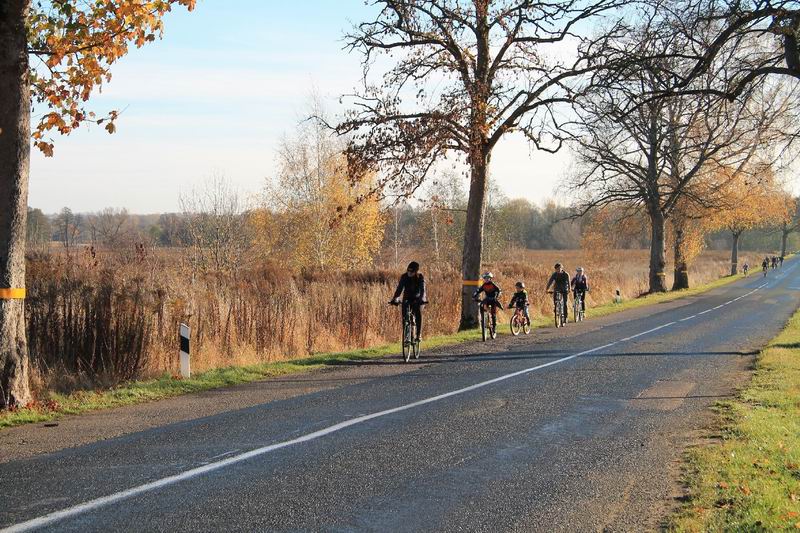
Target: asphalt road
<point>575,430</point>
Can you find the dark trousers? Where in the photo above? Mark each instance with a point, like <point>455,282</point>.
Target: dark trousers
<point>416,309</point>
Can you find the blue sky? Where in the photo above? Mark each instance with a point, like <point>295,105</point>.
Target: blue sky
<point>214,97</point>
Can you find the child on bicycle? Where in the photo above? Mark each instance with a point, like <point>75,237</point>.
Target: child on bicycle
<point>491,301</point>
<point>519,300</point>
<point>580,286</point>
<point>412,287</point>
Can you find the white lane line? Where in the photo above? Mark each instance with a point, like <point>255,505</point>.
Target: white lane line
<point>211,467</point>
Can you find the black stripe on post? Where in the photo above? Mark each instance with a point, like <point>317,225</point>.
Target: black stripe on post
<point>184,344</point>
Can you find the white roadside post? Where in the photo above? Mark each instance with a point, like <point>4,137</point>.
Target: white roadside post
<point>186,369</point>
<point>617,297</point>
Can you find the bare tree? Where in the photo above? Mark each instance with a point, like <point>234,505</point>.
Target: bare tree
<point>758,37</point>
<point>111,226</point>
<point>464,74</point>
<point>215,223</point>
<point>651,155</point>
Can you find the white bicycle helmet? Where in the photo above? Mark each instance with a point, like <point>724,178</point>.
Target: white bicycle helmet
<point>487,275</point>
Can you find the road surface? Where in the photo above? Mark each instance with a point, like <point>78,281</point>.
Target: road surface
<point>579,429</point>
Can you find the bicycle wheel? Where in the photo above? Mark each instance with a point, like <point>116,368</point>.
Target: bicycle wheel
<point>493,325</point>
<point>575,312</point>
<point>516,324</point>
<point>414,339</point>
<point>483,324</point>
<point>557,312</point>
<point>526,326</point>
<point>408,341</point>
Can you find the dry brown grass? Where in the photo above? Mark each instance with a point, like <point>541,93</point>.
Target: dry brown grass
<point>98,319</point>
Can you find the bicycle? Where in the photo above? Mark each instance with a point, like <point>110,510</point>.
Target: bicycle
<point>559,309</point>
<point>490,325</point>
<point>410,341</point>
<point>519,323</point>
<point>578,306</point>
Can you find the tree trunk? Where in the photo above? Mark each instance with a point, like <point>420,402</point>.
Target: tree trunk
<point>681,276</point>
<point>14,167</point>
<point>657,252</point>
<point>784,238</point>
<point>473,239</point>
<point>735,252</point>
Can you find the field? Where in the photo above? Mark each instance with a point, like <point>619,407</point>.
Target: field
<point>97,319</point>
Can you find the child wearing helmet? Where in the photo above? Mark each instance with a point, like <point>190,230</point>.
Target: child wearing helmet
<point>520,300</point>
<point>491,301</point>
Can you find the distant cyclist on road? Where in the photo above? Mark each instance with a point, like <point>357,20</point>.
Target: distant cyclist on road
<point>412,287</point>
<point>561,283</point>
<point>765,265</point>
<point>780,260</point>
<point>491,300</point>
<point>745,268</point>
<point>580,286</point>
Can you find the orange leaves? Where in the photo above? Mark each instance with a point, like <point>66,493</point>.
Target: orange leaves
<point>76,43</point>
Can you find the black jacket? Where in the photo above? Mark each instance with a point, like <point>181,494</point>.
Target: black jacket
<point>412,288</point>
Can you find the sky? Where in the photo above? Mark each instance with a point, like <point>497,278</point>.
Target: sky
<point>214,97</point>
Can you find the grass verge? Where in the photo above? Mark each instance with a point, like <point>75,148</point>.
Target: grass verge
<point>750,480</point>
<point>56,405</point>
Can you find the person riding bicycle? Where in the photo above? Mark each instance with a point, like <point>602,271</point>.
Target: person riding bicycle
<point>412,287</point>
<point>780,260</point>
<point>561,284</point>
<point>745,268</point>
<point>580,286</point>
<point>765,264</point>
<point>491,300</point>
<point>519,300</point>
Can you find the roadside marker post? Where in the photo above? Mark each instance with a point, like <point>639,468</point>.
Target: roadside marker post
<point>186,369</point>
<point>617,297</point>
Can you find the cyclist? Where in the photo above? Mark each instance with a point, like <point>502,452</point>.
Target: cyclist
<point>774,262</point>
<point>765,265</point>
<point>520,300</point>
<point>745,268</point>
<point>580,286</point>
<point>780,260</point>
<point>561,283</point>
<point>491,300</point>
<point>412,287</point>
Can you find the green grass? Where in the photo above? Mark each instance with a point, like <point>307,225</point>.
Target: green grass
<point>56,405</point>
<point>750,479</point>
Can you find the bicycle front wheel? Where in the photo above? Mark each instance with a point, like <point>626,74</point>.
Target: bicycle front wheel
<point>516,326</point>
<point>408,341</point>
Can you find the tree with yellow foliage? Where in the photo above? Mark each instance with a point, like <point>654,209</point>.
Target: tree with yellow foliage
<point>325,220</point>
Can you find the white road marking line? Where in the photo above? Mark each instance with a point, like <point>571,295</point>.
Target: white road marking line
<point>211,467</point>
